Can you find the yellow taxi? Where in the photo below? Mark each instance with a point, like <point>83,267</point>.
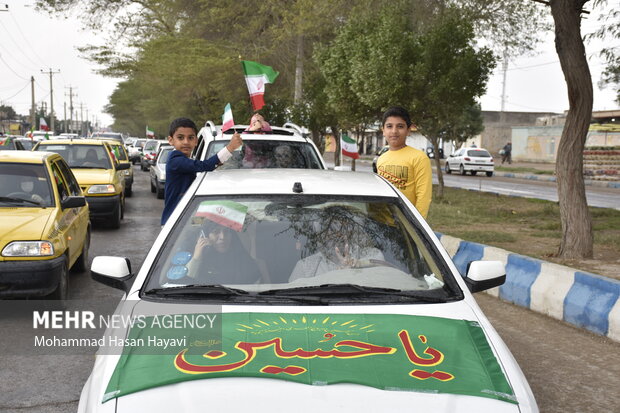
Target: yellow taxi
<point>44,225</point>
<point>98,172</point>
<point>120,153</point>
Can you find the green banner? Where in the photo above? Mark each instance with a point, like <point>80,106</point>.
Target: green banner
<point>386,351</point>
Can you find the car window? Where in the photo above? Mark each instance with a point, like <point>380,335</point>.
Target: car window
<point>150,146</point>
<point>24,185</point>
<point>480,153</point>
<point>163,155</point>
<point>80,156</point>
<point>61,184</point>
<point>268,154</point>
<point>72,184</point>
<point>119,152</point>
<point>306,241</point>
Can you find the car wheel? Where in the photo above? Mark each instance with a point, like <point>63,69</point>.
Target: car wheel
<point>116,217</point>
<point>61,292</point>
<point>489,173</point>
<point>447,168</point>
<point>160,191</point>
<point>153,188</point>
<point>462,170</point>
<point>142,167</point>
<point>128,190</point>
<point>82,262</point>
<point>474,173</point>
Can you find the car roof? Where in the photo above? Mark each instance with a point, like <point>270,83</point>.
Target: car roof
<point>281,181</point>
<point>67,141</point>
<point>25,156</point>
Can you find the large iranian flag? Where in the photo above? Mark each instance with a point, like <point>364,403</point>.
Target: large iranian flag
<point>349,147</point>
<point>43,124</point>
<point>149,132</point>
<point>256,77</point>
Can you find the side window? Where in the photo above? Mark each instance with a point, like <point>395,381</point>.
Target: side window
<point>60,183</point>
<point>74,187</point>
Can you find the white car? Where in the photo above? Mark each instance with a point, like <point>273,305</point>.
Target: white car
<point>471,160</point>
<point>158,171</point>
<point>282,147</point>
<point>309,291</point>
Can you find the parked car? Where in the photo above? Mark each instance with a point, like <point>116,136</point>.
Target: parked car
<point>99,174</point>
<point>8,143</point>
<point>284,147</point>
<point>118,149</point>
<point>471,160</point>
<point>380,152</point>
<point>44,226</point>
<point>108,135</point>
<point>135,150</point>
<point>327,291</point>
<point>158,171</point>
<point>149,153</point>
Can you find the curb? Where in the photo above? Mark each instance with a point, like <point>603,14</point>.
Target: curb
<point>551,178</point>
<point>582,299</point>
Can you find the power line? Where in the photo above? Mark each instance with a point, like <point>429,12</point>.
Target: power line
<point>10,68</point>
<point>20,91</point>
<point>26,39</point>
<point>16,44</point>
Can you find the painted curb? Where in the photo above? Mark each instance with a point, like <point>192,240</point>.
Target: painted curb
<point>582,299</point>
<point>552,178</point>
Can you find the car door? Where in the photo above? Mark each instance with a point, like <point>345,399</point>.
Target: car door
<point>69,219</point>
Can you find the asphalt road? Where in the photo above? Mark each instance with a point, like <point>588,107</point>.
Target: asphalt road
<point>596,196</point>
<point>569,370</point>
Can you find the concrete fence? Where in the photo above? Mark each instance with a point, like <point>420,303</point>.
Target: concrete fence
<point>585,300</point>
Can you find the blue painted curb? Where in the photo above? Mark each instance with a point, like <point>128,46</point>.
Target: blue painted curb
<point>585,300</point>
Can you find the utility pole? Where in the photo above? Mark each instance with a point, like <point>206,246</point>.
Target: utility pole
<point>81,119</point>
<point>51,73</point>
<point>33,105</point>
<point>71,94</point>
<point>504,69</point>
<point>64,129</point>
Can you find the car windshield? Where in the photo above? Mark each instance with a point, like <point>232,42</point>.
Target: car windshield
<point>479,153</point>
<point>24,185</point>
<point>80,156</point>
<point>163,155</point>
<point>307,245</point>
<point>268,154</point>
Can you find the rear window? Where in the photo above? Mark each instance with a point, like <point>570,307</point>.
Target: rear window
<point>478,153</point>
<point>80,156</point>
<point>108,135</point>
<point>257,154</point>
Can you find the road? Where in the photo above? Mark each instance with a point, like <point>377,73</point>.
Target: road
<point>596,196</point>
<point>570,370</point>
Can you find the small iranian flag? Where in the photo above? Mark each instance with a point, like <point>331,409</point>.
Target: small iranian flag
<point>43,124</point>
<point>256,77</point>
<point>227,118</point>
<point>227,213</point>
<point>149,133</point>
<point>349,147</point>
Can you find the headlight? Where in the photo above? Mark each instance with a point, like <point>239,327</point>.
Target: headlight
<point>126,172</point>
<point>101,189</point>
<point>28,249</point>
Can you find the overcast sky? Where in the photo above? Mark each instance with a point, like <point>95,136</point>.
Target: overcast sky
<point>31,42</point>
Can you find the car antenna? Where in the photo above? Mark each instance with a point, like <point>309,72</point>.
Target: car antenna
<point>297,188</point>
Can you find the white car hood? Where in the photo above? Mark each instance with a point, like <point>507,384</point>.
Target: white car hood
<point>273,395</point>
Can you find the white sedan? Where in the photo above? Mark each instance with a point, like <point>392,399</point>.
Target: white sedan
<point>471,160</point>
<point>307,290</point>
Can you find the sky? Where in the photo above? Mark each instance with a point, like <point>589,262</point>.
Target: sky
<point>32,42</point>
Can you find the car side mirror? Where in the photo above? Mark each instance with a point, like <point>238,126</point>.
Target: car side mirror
<point>122,166</point>
<point>73,202</point>
<point>114,272</point>
<point>483,275</point>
